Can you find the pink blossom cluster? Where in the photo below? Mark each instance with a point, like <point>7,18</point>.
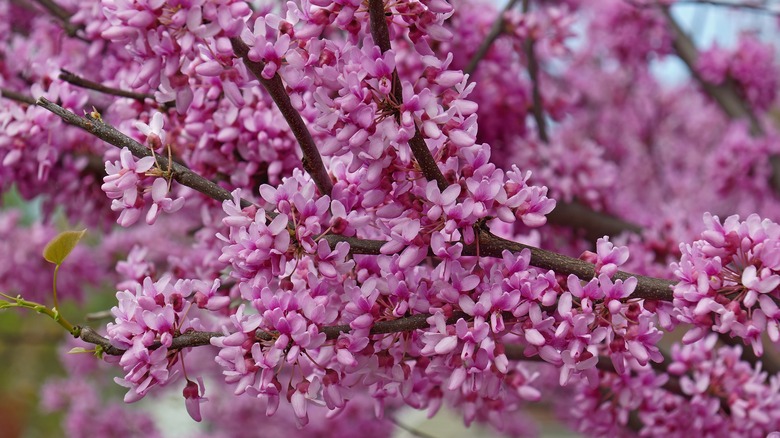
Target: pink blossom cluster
<point>89,415</point>
<point>174,41</point>
<point>276,265</point>
<point>330,299</point>
<point>637,32</point>
<point>728,280</point>
<point>751,65</point>
<point>124,185</point>
<point>147,319</point>
<point>717,394</point>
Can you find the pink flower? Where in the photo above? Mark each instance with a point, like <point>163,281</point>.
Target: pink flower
<point>193,398</point>
<point>161,202</point>
<point>155,136</point>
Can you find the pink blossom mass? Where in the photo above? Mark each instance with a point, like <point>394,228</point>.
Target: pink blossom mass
<point>308,217</point>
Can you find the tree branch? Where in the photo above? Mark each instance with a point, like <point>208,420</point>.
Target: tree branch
<point>64,16</point>
<point>495,31</point>
<point>725,95</point>
<point>198,338</point>
<point>19,97</point>
<point>427,163</point>
<point>596,224</point>
<point>533,73</point>
<point>515,352</point>
<point>755,8</point>
<point>648,288</point>
<point>111,135</point>
<point>71,78</point>
<point>489,244</point>
<point>381,35</point>
<point>312,161</point>
<point>378,23</point>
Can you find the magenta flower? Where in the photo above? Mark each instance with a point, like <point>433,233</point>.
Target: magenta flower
<point>155,136</point>
<point>161,202</point>
<point>194,397</point>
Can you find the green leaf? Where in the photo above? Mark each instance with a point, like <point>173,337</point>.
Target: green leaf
<point>59,247</point>
<point>76,350</point>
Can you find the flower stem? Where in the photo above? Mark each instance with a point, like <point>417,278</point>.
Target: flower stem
<point>53,313</point>
<point>54,288</point>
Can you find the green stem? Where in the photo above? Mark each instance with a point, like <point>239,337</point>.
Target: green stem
<point>54,288</point>
<point>53,313</point>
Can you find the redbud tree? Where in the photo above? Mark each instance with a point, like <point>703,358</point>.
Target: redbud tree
<point>313,214</point>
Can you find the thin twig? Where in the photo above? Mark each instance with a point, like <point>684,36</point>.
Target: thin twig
<point>64,16</point>
<point>754,8</point>
<point>109,134</point>
<point>533,73</point>
<point>96,316</point>
<point>19,97</point>
<point>74,79</point>
<point>312,161</point>
<point>495,31</point>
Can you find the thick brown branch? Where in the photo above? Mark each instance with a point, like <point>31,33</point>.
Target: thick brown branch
<point>490,245</point>
<point>74,79</point>
<point>406,324</point>
<point>648,288</point>
<point>492,36</point>
<point>725,95</point>
<point>312,161</point>
<point>596,224</point>
<point>379,31</point>
<point>184,340</point>
<point>89,335</point>
<point>750,7</point>
<point>425,160</point>
<point>197,338</point>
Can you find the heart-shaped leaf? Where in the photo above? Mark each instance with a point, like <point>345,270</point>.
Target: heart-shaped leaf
<point>59,247</point>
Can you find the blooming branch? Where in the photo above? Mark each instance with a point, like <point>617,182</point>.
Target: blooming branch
<point>74,79</point>
<point>312,161</point>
